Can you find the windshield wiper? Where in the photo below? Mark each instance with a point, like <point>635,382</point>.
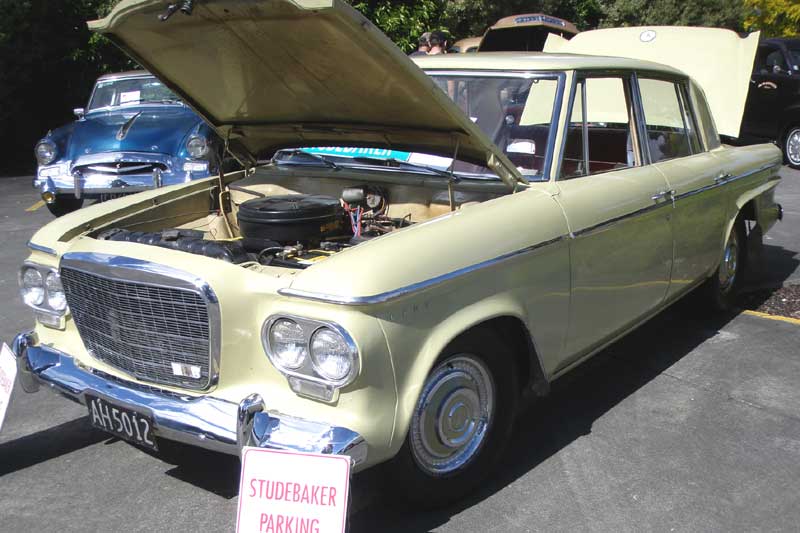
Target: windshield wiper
<point>398,163</point>
<point>321,158</point>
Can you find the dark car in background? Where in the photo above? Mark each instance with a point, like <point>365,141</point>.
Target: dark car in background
<point>135,134</point>
<point>772,110</point>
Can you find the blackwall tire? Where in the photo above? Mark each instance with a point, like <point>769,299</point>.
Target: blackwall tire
<point>444,455</point>
<point>64,204</point>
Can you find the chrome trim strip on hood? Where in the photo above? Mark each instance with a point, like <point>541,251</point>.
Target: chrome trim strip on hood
<point>414,287</point>
<point>39,248</point>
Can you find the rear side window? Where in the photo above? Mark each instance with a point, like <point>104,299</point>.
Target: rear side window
<point>670,130</point>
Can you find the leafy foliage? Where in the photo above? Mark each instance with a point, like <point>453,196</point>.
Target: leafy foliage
<point>776,18</point>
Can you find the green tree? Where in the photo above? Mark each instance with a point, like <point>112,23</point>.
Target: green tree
<point>712,13</point>
<point>776,18</point>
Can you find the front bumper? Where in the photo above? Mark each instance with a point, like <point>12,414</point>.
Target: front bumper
<point>205,421</point>
<point>94,174</point>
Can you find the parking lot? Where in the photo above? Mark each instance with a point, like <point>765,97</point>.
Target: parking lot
<point>691,423</point>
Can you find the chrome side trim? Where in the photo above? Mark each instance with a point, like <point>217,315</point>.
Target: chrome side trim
<point>725,181</point>
<point>39,248</point>
<point>127,269</point>
<point>616,220</point>
<point>414,287</point>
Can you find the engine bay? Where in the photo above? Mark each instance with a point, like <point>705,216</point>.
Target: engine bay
<point>289,230</point>
<point>294,222</point>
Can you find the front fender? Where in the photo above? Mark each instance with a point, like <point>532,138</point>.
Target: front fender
<point>414,350</point>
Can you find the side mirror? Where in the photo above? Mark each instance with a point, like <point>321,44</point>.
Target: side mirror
<point>79,112</point>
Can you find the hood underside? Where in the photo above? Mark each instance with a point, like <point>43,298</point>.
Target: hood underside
<point>719,60</point>
<point>270,74</point>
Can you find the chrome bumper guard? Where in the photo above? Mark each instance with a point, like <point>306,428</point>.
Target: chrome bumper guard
<point>206,422</point>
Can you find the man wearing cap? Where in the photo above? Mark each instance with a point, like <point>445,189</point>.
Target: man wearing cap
<point>423,45</point>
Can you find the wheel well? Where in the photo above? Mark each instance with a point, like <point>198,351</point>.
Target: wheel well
<point>526,359</point>
<point>748,211</point>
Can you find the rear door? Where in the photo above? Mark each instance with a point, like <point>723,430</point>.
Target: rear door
<point>693,175</point>
<point>618,211</point>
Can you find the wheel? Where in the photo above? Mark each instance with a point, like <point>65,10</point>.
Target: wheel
<point>461,423</point>
<point>791,146</point>
<point>724,284</point>
<point>64,203</point>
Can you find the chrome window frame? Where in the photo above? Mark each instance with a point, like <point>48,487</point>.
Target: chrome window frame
<point>559,75</point>
<point>633,100</point>
<point>138,271</point>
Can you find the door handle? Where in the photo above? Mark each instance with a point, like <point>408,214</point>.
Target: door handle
<point>663,195</point>
<point>722,178</point>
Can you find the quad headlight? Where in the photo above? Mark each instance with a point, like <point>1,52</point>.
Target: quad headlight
<point>32,286</point>
<point>318,358</point>
<point>41,289</point>
<point>45,152</point>
<point>197,147</point>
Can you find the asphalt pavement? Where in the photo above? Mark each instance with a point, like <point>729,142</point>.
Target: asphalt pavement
<point>691,423</point>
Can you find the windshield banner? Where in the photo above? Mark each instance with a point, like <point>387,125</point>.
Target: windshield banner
<point>350,151</point>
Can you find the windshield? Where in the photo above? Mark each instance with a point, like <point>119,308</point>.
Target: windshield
<point>131,91</point>
<point>516,113</point>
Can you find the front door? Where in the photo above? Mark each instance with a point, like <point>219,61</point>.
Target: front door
<point>619,216</point>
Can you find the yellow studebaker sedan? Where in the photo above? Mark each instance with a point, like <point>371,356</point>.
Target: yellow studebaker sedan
<point>409,253</point>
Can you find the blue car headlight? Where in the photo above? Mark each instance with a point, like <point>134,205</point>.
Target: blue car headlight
<point>46,152</point>
<point>197,147</point>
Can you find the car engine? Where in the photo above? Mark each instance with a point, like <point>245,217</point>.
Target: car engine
<point>290,230</point>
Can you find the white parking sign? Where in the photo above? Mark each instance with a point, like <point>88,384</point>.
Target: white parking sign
<point>8,372</point>
<point>287,492</point>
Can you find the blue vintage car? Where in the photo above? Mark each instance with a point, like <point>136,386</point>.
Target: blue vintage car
<point>135,134</point>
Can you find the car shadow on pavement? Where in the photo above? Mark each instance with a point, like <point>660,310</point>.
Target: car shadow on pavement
<point>575,402</point>
<point>214,472</point>
<point>772,268</point>
<point>48,444</point>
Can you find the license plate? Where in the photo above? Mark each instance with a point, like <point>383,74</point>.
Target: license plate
<point>121,421</point>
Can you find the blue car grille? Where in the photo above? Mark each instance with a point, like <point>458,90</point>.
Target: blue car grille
<point>122,168</point>
<point>142,329</point>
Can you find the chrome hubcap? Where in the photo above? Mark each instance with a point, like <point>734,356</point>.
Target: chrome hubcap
<point>453,415</point>
<point>727,270</point>
<point>793,146</point>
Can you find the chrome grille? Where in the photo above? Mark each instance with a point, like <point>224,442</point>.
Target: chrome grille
<point>122,168</point>
<point>143,329</point>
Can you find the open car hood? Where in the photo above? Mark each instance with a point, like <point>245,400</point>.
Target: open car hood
<point>719,60</point>
<point>271,74</point>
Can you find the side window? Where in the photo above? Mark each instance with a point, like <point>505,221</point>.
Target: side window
<point>669,125</point>
<point>769,57</point>
<point>599,135</point>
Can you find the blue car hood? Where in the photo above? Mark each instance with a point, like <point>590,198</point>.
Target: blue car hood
<point>155,129</point>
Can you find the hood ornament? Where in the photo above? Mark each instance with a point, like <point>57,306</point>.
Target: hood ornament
<point>125,128</point>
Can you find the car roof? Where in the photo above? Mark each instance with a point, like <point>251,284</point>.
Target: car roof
<point>124,75</point>
<point>538,61</point>
<point>782,40</point>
